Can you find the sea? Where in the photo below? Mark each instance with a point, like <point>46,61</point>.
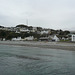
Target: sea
<point>22,60</point>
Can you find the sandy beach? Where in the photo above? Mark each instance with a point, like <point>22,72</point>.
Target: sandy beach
<point>51,45</point>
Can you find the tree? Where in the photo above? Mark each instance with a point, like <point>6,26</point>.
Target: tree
<point>30,27</point>
<point>2,34</point>
<point>66,32</point>
<point>39,28</point>
<point>10,36</point>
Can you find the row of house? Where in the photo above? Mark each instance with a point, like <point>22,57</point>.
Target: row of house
<point>50,38</point>
<point>31,38</point>
<point>25,29</point>
<point>35,29</point>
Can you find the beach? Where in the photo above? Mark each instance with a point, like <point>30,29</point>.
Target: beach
<point>44,44</point>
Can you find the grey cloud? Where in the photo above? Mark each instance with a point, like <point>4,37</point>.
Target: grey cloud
<point>57,14</point>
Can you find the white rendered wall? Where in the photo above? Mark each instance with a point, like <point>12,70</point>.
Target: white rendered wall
<point>73,37</point>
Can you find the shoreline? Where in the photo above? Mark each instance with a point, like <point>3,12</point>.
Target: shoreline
<point>47,45</point>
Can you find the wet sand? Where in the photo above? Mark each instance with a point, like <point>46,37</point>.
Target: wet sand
<point>51,45</point>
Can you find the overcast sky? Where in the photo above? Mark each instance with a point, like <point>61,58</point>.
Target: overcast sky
<point>55,14</point>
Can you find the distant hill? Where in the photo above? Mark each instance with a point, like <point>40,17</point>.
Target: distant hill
<point>1,26</point>
<point>73,32</point>
<point>22,26</point>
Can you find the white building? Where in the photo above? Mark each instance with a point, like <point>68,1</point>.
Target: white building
<point>24,30</point>
<point>55,38</point>
<point>44,32</point>
<point>3,39</point>
<point>73,37</point>
<point>16,39</point>
<point>30,38</point>
<point>34,29</point>
<point>44,39</point>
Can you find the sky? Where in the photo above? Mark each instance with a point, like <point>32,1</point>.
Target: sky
<point>54,14</point>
